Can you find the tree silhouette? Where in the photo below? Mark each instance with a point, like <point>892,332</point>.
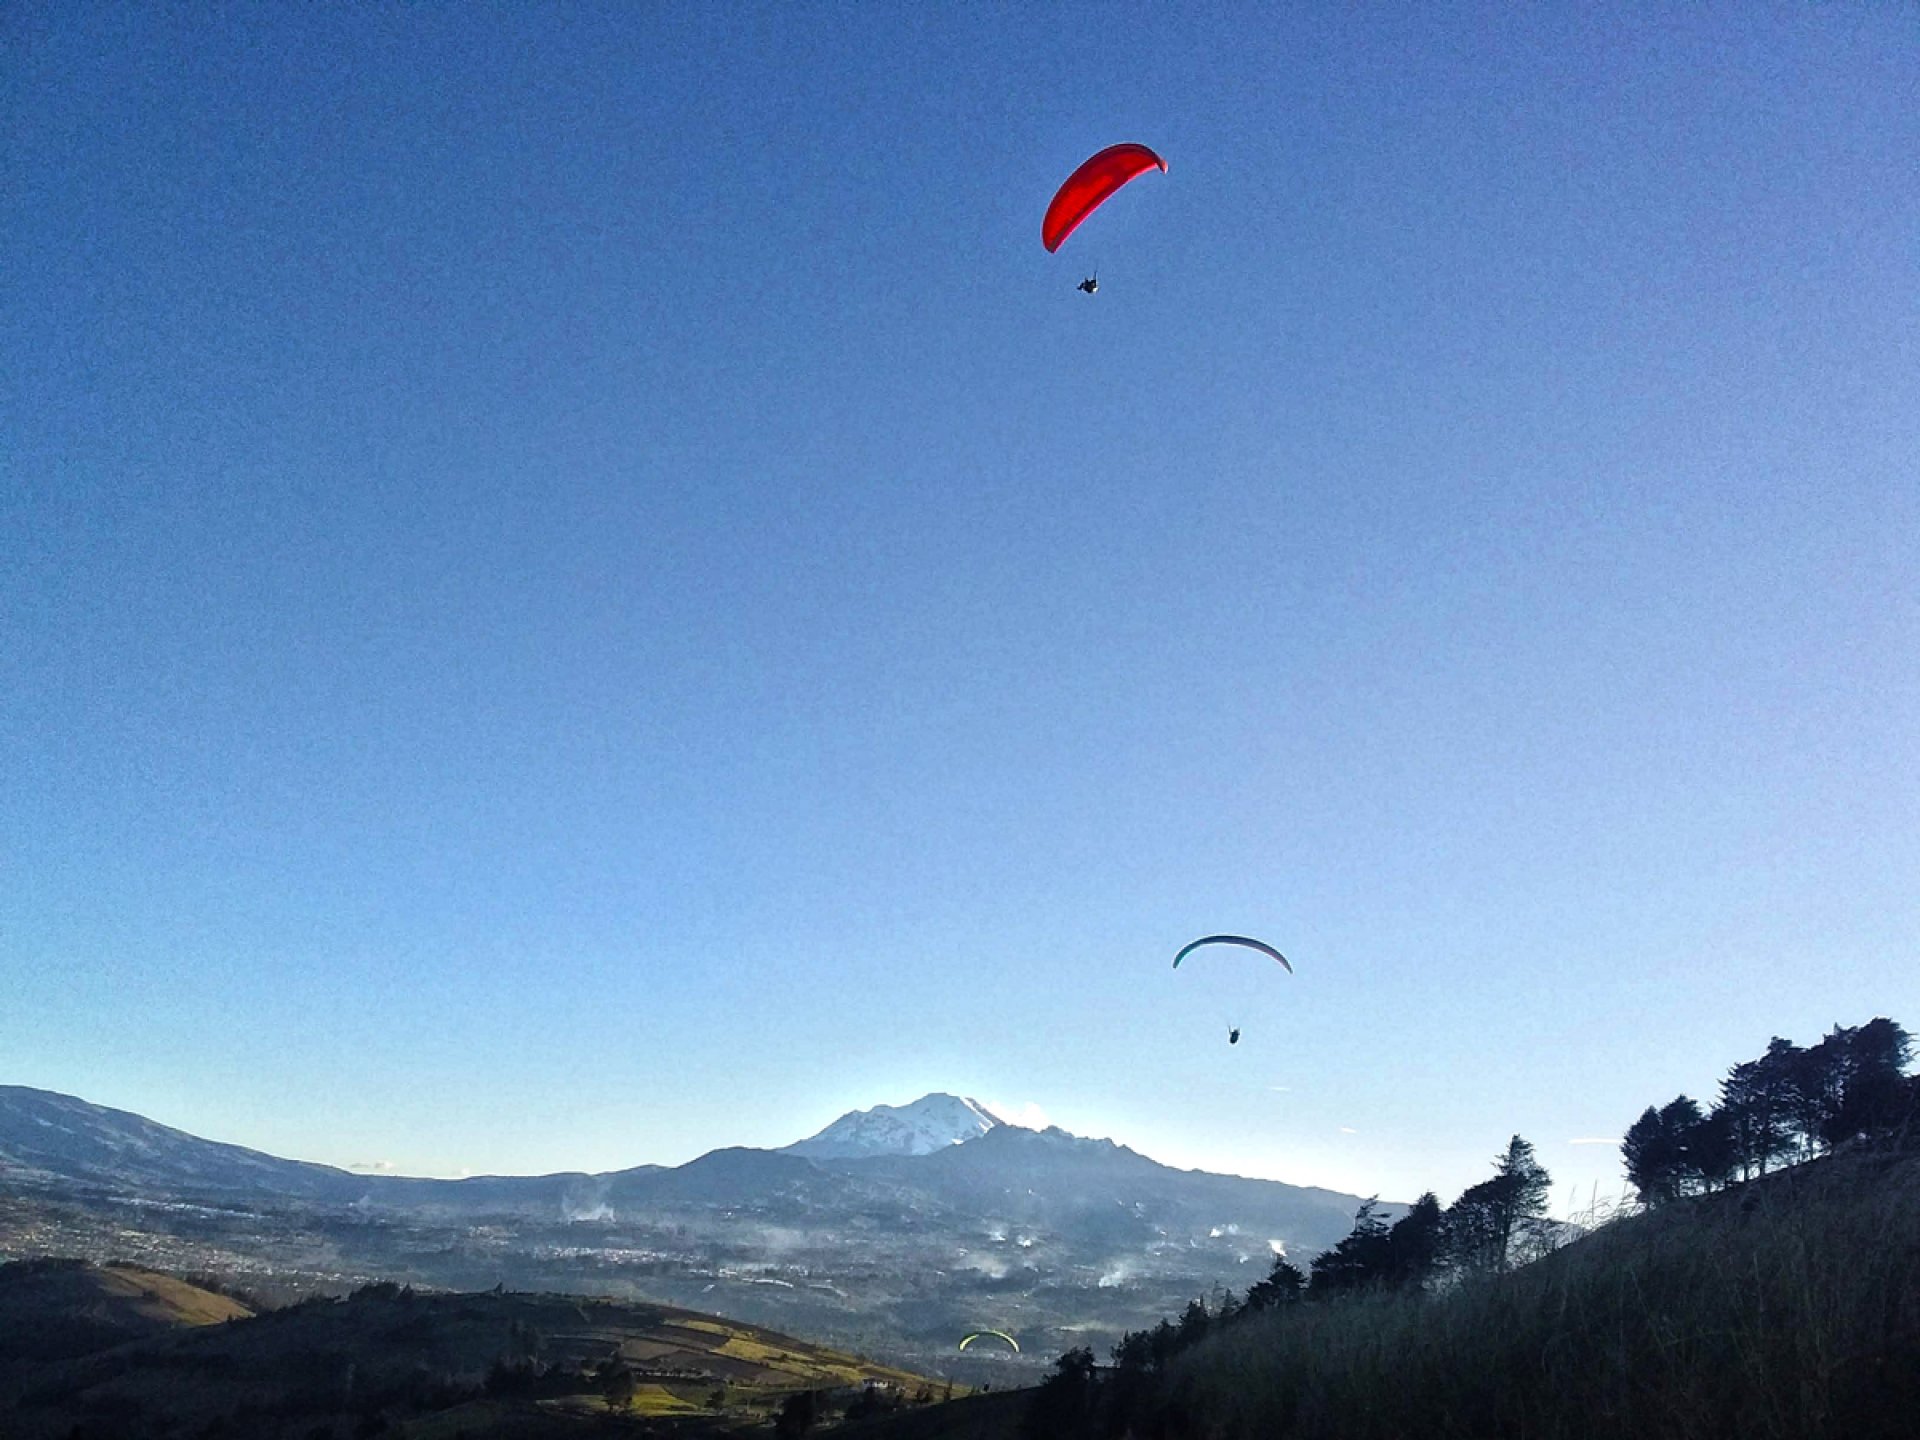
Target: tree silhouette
<point>1758,1097</point>
<point>1165,1341</point>
<point>1063,1405</point>
<point>1473,1229</point>
<point>1712,1156</point>
<point>1658,1150</point>
<point>1194,1322</point>
<point>1869,1091</point>
<point>1648,1156</point>
<point>797,1414</point>
<point>1416,1245</point>
<point>1483,1224</point>
<point>1364,1258</point>
<point>1819,1081</point>
<point>1788,1105</point>
<point>616,1385</point>
<point>1283,1285</point>
<point>1129,1387</point>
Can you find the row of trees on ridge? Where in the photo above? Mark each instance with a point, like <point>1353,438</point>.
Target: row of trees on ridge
<point>1789,1105</point>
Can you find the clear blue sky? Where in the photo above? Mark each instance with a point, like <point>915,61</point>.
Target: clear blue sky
<point>576,587</point>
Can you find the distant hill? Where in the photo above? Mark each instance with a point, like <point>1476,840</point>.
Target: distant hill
<point>1050,1177</point>
<point>49,1138</point>
<point>58,1309</point>
<point>46,1136</point>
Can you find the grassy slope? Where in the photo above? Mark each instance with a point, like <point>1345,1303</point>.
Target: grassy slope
<point>405,1356</point>
<point>1789,1309</point>
<point>57,1310</point>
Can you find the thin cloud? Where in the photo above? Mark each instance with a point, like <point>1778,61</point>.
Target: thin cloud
<point>1348,1130</point>
<point>376,1167</point>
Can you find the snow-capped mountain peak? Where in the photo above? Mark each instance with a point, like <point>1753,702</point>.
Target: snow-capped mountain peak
<point>930,1123</point>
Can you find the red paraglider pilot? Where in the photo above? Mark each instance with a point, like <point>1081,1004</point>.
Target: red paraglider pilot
<point>1087,189</point>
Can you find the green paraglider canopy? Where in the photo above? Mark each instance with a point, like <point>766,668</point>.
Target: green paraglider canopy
<point>996,1334</point>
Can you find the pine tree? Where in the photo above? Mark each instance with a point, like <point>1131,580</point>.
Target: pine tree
<point>1063,1405</point>
<point>1416,1244</point>
<point>1485,1223</point>
<point>1364,1258</point>
<point>1522,1200</point>
<point>1757,1096</point>
<point>1284,1285</point>
<point>1648,1153</point>
<point>1871,1098</point>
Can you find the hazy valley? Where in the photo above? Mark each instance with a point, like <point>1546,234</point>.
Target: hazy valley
<point>1054,1238</point>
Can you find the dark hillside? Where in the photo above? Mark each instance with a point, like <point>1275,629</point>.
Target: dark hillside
<point>58,1309</point>
<point>1789,1308</point>
<point>389,1361</point>
<point>995,1415</point>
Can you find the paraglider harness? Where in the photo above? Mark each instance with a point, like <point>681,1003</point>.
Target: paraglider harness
<point>1090,284</point>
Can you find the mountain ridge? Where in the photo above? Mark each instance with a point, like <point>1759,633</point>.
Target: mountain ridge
<point>1070,1236</point>
<point>985,1168</point>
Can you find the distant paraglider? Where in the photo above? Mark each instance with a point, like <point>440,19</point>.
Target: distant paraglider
<point>994,1334</point>
<point>1251,944</point>
<point>1233,1032</point>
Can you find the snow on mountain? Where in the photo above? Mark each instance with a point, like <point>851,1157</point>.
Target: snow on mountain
<point>933,1122</point>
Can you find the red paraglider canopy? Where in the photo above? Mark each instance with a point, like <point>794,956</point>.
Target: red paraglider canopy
<point>1089,186</point>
